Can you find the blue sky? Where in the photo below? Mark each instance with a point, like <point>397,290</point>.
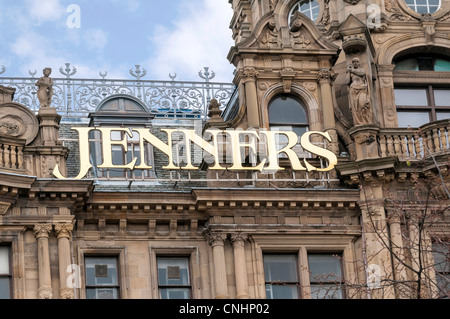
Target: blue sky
<point>172,36</point>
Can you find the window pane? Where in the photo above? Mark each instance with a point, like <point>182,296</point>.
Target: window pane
<point>413,97</point>
<point>412,118</point>
<point>102,293</point>
<point>443,283</point>
<point>325,268</point>
<point>175,293</point>
<point>407,65</point>
<point>173,271</point>
<point>326,292</point>
<point>441,257</point>
<point>4,261</point>
<point>442,115</point>
<point>442,97</point>
<point>280,268</point>
<point>5,292</point>
<point>287,110</point>
<point>101,271</point>
<point>281,292</point>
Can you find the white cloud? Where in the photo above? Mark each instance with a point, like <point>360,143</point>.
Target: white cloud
<point>45,10</point>
<point>200,38</point>
<point>96,39</point>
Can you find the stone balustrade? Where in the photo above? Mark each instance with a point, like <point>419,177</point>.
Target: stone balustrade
<point>415,143</point>
<point>11,154</point>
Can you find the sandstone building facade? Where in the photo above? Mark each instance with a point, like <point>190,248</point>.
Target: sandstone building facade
<point>373,76</point>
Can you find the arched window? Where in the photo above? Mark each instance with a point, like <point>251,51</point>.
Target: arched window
<point>310,8</point>
<point>287,113</point>
<point>126,112</point>
<point>421,102</point>
<point>424,6</point>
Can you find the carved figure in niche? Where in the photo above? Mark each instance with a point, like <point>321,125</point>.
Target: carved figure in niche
<point>45,91</point>
<point>359,94</point>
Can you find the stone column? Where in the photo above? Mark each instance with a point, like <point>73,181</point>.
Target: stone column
<point>41,232</point>
<point>63,233</point>
<point>387,101</point>
<point>326,77</point>
<point>398,258</point>
<point>240,267</point>
<point>251,97</point>
<point>217,242</point>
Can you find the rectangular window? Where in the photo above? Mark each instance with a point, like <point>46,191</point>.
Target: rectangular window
<point>281,276</point>
<point>5,272</point>
<point>173,278</point>
<point>419,106</point>
<point>442,268</point>
<point>102,278</point>
<point>326,276</point>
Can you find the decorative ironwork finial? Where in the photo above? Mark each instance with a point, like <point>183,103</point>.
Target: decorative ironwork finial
<point>68,72</point>
<point>2,70</point>
<point>32,73</point>
<point>173,77</point>
<point>206,75</point>
<point>137,72</point>
<point>103,75</point>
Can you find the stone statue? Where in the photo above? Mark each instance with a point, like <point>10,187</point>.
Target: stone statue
<point>359,94</point>
<point>45,91</point>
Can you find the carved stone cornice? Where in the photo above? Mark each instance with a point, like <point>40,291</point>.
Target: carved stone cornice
<point>238,239</point>
<point>42,230</point>
<point>63,230</point>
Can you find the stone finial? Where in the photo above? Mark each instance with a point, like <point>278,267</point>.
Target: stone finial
<point>45,91</point>
<point>215,112</point>
<point>6,94</point>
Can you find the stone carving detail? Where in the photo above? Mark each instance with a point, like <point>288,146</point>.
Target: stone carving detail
<point>4,208</point>
<point>326,76</point>
<point>238,239</point>
<point>63,230</point>
<point>216,239</point>
<point>45,293</point>
<point>215,111</point>
<point>326,19</point>
<point>271,38</point>
<point>300,41</point>
<point>11,127</point>
<point>42,230</point>
<point>396,13</point>
<point>359,94</point>
<point>45,91</point>
<point>250,73</point>
<point>352,2</point>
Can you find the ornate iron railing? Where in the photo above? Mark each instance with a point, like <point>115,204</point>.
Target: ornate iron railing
<point>75,97</point>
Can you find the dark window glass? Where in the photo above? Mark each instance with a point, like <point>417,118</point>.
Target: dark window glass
<point>326,276</point>
<point>102,278</point>
<point>442,267</point>
<point>281,275</point>
<point>5,272</point>
<point>173,278</point>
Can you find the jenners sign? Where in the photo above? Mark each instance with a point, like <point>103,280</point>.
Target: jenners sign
<point>239,140</point>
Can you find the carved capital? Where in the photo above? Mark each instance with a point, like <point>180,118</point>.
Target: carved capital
<point>326,75</point>
<point>63,230</point>
<point>45,293</point>
<point>250,73</point>
<point>238,239</point>
<point>216,239</point>
<point>66,293</point>
<point>42,230</point>
<point>4,207</point>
